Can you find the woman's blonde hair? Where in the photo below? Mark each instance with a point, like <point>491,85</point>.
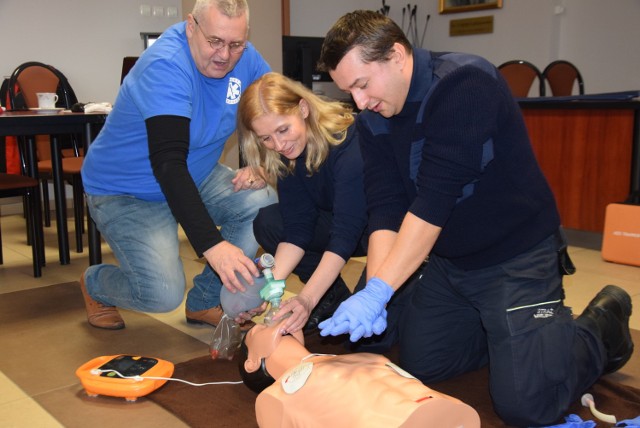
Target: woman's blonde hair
<point>326,123</point>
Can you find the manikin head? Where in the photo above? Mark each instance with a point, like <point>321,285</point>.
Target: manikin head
<point>258,345</point>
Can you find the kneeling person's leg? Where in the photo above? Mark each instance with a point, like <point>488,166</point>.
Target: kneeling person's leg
<point>441,334</point>
<point>234,213</point>
<point>143,237</point>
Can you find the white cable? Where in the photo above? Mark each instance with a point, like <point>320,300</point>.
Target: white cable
<point>587,401</point>
<point>141,378</point>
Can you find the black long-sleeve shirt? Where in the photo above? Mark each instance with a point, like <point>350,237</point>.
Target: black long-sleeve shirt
<point>337,187</point>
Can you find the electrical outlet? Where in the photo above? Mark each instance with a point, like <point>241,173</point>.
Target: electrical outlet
<point>172,12</point>
<point>158,11</point>
<point>145,10</point>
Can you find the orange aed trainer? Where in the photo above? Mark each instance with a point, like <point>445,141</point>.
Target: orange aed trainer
<point>128,376</point>
<point>621,238</point>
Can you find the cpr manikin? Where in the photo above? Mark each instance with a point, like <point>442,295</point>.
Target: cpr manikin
<point>353,390</point>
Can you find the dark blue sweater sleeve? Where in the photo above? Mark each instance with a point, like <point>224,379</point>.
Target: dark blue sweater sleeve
<point>298,209</point>
<point>386,196</point>
<point>465,106</point>
<point>338,188</point>
<point>349,204</point>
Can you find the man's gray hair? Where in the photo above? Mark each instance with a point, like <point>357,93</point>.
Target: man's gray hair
<point>230,8</point>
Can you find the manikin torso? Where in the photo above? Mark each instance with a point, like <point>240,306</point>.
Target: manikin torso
<point>353,390</point>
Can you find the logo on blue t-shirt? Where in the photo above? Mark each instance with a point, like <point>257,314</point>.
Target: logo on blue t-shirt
<point>234,90</point>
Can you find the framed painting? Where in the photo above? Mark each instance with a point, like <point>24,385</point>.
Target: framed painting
<point>455,6</point>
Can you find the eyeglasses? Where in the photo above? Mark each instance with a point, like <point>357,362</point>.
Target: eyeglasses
<point>217,44</point>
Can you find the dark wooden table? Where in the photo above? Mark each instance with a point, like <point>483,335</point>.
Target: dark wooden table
<point>29,124</point>
<point>589,151</point>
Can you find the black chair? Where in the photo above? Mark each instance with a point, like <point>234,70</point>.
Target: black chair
<point>562,77</point>
<point>12,185</point>
<point>127,64</point>
<point>26,81</point>
<point>520,76</point>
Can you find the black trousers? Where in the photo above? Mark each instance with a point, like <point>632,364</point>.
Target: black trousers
<point>269,230</point>
<point>511,316</point>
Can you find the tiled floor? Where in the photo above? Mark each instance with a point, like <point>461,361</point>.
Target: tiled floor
<point>20,409</point>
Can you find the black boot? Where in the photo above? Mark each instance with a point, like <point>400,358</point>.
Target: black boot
<point>608,315</point>
<point>336,294</point>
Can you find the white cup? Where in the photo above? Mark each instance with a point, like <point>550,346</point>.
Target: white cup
<point>47,100</point>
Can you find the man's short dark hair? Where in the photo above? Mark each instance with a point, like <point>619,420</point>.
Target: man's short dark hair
<point>372,31</point>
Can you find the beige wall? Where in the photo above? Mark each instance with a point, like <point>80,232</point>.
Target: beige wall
<point>600,37</point>
<point>187,5</point>
<point>86,40</point>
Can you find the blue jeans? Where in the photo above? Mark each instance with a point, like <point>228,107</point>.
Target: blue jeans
<point>510,316</point>
<point>144,238</point>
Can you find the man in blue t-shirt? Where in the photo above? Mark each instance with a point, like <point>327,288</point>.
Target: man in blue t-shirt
<point>155,165</point>
<point>450,175</point>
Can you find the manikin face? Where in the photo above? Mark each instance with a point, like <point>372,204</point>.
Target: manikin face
<point>381,87</point>
<point>262,340</point>
<point>216,63</point>
<point>286,134</point>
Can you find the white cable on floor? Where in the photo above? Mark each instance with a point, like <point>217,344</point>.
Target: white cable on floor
<point>141,378</point>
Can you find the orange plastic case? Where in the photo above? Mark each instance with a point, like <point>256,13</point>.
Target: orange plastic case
<point>97,383</point>
<point>621,237</point>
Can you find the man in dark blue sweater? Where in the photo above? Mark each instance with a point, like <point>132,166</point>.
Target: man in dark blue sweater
<point>450,176</point>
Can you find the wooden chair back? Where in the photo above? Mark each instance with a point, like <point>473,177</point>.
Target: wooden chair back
<point>520,76</point>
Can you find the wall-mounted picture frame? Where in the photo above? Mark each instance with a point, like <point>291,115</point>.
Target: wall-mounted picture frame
<point>455,6</point>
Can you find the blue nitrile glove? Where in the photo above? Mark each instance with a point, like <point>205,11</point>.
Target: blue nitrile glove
<point>629,423</point>
<point>362,314</point>
<point>574,421</point>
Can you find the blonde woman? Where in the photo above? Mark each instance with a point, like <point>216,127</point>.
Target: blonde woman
<point>310,147</point>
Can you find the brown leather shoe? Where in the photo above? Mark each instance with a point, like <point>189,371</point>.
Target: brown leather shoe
<point>99,315</point>
<point>212,316</point>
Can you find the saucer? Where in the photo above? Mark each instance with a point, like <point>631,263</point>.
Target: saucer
<point>47,110</point>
